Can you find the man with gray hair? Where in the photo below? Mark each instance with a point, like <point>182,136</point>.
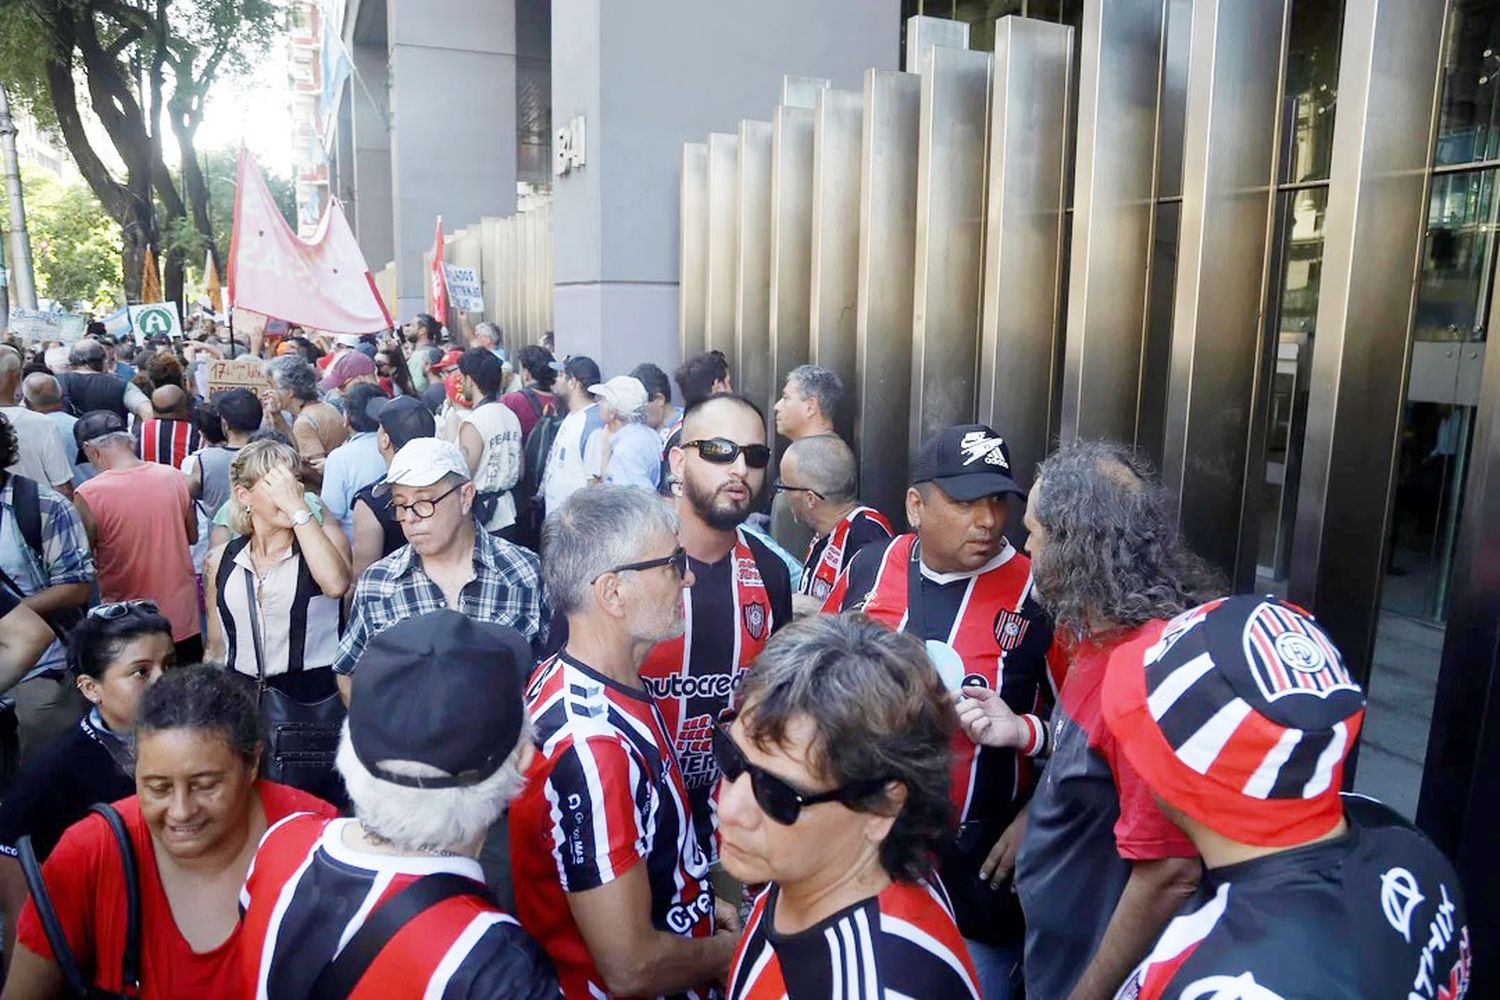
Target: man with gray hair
<point>808,407</point>
<point>42,454</point>
<point>488,336</point>
<point>820,481</point>
<point>608,869</point>
<point>430,760</point>
<point>88,387</point>
<point>628,453</point>
<point>43,395</point>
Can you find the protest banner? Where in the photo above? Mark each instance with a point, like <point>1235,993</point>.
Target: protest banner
<point>156,318</point>
<point>242,373</point>
<point>464,290</point>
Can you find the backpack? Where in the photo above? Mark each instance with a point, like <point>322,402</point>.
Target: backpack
<point>26,499</point>
<point>535,449</point>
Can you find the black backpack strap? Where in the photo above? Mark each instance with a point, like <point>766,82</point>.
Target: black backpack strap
<point>130,959</point>
<point>28,506</point>
<point>339,978</point>
<point>62,952</point>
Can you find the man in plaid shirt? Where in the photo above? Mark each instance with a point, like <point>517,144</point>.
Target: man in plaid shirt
<point>447,561</point>
<point>58,577</point>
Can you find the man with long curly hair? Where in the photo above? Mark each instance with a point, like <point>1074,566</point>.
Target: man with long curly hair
<point>1100,869</point>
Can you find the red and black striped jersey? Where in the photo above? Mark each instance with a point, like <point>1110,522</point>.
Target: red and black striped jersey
<point>165,441</point>
<point>829,555</point>
<point>1377,912</point>
<point>603,794</point>
<point>308,892</point>
<point>901,943</point>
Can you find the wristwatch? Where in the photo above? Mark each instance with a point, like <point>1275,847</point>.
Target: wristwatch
<point>301,517</point>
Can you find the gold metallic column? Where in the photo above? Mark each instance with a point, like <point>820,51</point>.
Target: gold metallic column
<point>838,118</point>
<point>791,239</point>
<point>752,287</point>
<point>692,281</point>
<point>723,190</point>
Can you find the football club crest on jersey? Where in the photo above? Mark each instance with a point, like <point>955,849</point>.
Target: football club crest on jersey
<point>1010,629</point>
<point>820,589</point>
<point>1289,656</point>
<point>755,620</point>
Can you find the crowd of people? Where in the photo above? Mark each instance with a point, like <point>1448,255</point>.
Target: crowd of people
<point>427,668</point>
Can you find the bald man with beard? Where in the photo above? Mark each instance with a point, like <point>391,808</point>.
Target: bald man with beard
<point>170,435</point>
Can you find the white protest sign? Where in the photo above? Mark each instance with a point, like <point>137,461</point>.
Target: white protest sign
<point>35,325</point>
<point>464,290</point>
<point>154,318</point>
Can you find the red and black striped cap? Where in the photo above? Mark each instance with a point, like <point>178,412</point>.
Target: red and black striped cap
<point>1240,713</point>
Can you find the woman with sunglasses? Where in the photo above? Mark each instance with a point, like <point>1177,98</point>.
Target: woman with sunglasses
<point>835,792</point>
<point>115,653</point>
<point>193,824</point>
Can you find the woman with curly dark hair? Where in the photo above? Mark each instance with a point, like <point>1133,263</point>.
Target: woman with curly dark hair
<point>1101,869</point>
<point>835,792</point>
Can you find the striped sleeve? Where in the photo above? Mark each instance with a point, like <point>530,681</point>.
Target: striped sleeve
<point>597,794</point>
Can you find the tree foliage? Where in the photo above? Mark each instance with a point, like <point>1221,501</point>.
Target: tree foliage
<point>75,244</point>
<point>140,66</point>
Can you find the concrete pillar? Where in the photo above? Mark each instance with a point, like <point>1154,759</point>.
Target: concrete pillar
<point>453,123</point>
<point>645,79</point>
<point>370,102</point>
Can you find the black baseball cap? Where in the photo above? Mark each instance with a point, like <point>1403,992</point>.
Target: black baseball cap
<point>403,419</point>
<point>967,462</point>
<point>440,689</point>
<point>93,425</point>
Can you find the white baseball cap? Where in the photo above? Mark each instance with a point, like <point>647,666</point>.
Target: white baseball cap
<point>346,339</point>
<point>625,395</point>
<point>422,462</point>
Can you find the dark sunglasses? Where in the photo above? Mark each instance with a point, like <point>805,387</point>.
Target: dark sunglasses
<point>677,560</point>
<point>784,488</point>
<point>777,799</point>
<point>119,609</point>
<point>722,451</point>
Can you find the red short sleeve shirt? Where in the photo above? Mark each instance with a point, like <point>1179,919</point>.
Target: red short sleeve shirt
<point>86,884</point>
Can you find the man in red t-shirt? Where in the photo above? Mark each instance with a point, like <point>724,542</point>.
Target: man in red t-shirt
<point>430,758</point>
<point>1100,869</point>
<point>193,824</point>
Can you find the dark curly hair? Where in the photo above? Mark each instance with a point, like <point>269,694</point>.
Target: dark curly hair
<point>10,449</point>
<point>202,697</point>
<point>1111,556</point>
<point>880,713</point>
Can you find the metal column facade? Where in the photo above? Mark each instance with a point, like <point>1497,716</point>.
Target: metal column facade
<point>1028,164</point>
<point>723,241</point>
<point>791,239</point>
<point>1113,191</point>
<point>692,246</point>
<point>887,245</point>
<point>1228,176</point>
<point>752,287</point>
<point>950,217</point>
<point>838,119</point>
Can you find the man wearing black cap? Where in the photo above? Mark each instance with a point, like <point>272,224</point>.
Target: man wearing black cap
<point>958,584</point>
<point>394,901</point>
<point>1239,717</point>
<point>377,532</point>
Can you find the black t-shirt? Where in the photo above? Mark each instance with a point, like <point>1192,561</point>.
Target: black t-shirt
<point>380,506</point>
<point>1376,913</point>
<point>85,765</point>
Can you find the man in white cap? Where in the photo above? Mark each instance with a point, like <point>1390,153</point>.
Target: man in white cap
<point>628,453</point>
<point>446,563</point>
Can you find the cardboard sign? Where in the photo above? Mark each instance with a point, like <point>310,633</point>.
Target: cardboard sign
<point>242,373</point>
<point>464,290</point>
<point>36,326</point>
<point>155,318</point>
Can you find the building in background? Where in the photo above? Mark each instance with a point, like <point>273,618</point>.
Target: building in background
<point>305,64</point>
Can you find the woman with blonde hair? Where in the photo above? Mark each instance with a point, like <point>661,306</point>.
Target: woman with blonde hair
<point>275,610</point>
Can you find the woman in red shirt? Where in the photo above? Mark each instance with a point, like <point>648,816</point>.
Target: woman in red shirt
<point>194,823</point>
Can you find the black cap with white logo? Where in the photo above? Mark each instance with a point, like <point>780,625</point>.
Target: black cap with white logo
<point>967,462</point>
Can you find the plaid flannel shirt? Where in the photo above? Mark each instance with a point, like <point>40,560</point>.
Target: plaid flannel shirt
<point>506,589</point>
<point>66,557</point>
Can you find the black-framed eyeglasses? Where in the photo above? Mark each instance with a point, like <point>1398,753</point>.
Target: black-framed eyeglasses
<point>119,609</point>
<point>776,797</point>
<point>785,488</point>
<point>722,451</point>
<point>677,560</point>
<point>422,509</point>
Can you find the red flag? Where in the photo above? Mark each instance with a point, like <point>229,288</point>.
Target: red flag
<point>322,282</point>
<point>438,283</point>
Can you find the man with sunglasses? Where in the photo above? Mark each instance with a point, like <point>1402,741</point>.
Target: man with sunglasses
<point>957,584</point>
<point>820,480</point>
<point>836,773</point>
<point>609,874</point>
<point>741,593</point>
<point>447,561</point>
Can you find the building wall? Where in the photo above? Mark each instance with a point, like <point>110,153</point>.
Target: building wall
<point>645,77</point>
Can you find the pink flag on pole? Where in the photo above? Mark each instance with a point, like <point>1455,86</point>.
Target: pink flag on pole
<point>322,283</point>
<point>438,282</point>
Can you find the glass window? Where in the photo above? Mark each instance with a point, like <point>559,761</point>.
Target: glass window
<point>1467,124</point>
<point>1309,103</point>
